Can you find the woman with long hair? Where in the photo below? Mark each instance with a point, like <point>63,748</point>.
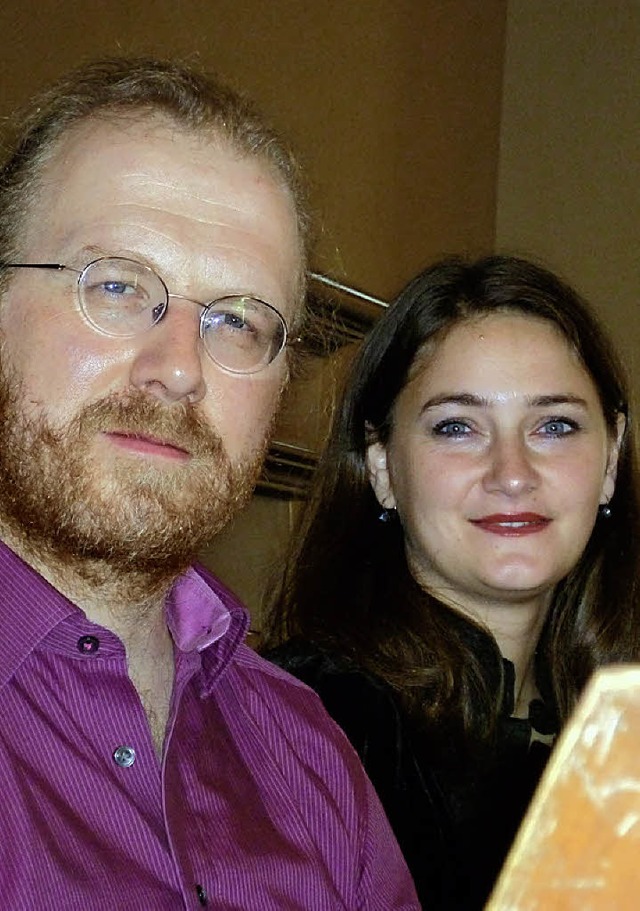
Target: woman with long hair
<point>468,556</point>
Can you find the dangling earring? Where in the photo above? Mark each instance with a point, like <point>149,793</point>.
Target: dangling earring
<point>604,511</point>
<point>387,514</point>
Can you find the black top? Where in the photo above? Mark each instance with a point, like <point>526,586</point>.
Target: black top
<point>454,816</point>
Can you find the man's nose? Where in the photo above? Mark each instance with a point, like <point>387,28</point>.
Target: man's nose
<point>511,468</point>
<point>168,362</point>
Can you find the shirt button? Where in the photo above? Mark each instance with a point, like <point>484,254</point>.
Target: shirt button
<point>202,895</point>
<point>124,757</point>
<point>88,645</point>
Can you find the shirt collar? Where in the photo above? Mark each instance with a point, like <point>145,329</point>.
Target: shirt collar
<point>29,609</point>
<point>200,611</point>
<point>196,614</point>
<point>204,587</point>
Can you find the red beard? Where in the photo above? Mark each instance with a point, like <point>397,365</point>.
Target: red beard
<point>58,497</point>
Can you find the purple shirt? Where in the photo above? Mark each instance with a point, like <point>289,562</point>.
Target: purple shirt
<point>259,802</point>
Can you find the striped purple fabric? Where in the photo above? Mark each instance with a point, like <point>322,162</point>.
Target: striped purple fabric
<point>259,802</point>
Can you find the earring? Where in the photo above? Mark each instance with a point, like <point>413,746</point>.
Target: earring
<point>387,514</point>
<point>604,511</point>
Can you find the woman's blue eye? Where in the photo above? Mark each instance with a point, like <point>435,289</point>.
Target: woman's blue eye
<point>451,428</point>
<point>558,427</point>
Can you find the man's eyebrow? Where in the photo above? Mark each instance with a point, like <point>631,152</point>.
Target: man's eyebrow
<point>470,400</point>
<point>86,254</point>
<point>92,250</point>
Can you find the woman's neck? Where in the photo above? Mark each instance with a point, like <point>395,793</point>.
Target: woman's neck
<point>516,627</point>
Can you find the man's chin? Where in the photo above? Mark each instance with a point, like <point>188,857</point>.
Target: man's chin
<point>152,520</point>
<point>141,535</point>
<point>65,496</point>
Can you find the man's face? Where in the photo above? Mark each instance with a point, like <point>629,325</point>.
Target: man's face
<point>139,448</point>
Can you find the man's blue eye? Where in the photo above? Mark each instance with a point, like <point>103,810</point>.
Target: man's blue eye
<point>115,287</point>
<point>229,320</point>
<point>235,321</point>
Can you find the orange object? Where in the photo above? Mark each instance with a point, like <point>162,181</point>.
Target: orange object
<point>578,848</point>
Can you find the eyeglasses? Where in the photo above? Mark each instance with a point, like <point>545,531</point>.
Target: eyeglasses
<point>123,298</point>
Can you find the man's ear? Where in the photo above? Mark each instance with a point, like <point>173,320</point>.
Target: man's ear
<point>615,444</point>
<point>379,475</point>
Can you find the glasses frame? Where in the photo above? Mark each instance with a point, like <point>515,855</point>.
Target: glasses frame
<point>206,307</point>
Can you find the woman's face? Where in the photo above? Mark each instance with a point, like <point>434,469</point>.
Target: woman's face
<point>498,458</point>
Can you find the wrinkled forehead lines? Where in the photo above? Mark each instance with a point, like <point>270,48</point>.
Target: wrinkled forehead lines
<point>63,155</point>
<point>68,154</point>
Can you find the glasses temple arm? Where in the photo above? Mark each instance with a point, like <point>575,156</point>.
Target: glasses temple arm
<point>347,289</point>
<point>58,266</point>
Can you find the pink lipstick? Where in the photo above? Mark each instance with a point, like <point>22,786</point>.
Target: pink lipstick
<point>513,525</point>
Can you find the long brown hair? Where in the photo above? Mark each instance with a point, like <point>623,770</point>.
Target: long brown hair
<point>346,586</point>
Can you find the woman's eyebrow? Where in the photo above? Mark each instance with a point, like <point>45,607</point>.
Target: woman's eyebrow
<point>468,399</point>
<point>456,398</point>
<point>544,401</point>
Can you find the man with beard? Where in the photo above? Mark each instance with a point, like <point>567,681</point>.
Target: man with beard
<point>152,248</point>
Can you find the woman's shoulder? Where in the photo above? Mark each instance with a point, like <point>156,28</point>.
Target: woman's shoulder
<point>324,669</point>
<point>360,701</point>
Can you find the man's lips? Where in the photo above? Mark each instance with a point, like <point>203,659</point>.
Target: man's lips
<point>513,525</point>
<point>143,444</point>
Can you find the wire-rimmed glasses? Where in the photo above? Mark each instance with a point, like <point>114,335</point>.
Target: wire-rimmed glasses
<point>123,298</point>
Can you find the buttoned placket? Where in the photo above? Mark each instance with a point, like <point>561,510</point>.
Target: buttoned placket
<point>188,665</point>
<point>125,756</point>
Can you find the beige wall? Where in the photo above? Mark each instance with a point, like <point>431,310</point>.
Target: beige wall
<point>569,177</point>
<point>393,104</point>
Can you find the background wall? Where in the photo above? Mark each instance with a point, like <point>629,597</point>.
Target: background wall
<point>394,104</point>
<point>569,174</point>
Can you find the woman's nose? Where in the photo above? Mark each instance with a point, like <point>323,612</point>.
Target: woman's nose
<point>511,469</point>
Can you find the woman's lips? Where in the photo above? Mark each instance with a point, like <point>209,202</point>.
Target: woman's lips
<point>140,444</point>
<point>512,525</point>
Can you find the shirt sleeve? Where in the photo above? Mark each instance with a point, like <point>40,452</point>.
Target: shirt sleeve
<point>341,810</point>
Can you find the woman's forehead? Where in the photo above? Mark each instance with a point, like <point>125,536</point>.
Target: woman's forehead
<point>499,352</point>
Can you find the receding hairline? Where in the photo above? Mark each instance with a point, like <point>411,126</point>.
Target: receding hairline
<point>148,119</point>
<point>193,100</point>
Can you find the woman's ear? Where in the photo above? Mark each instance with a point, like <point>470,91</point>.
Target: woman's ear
<point>379,475</point>
<point>615,444</point>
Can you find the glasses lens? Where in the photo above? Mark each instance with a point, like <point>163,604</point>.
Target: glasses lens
<point>243,334</point>
<point>121,297</point>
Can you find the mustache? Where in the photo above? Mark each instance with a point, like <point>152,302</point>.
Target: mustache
<point>135,412</point>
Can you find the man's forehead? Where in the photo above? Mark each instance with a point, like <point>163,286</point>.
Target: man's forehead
<point>134,143</point>
<point>130,154</point>
<point>148,176</point>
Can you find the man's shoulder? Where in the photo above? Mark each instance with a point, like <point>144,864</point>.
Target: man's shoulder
<point>261,679</point>
<point>332,675</point>
<point>285,712</point>
<point>253,663</point>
